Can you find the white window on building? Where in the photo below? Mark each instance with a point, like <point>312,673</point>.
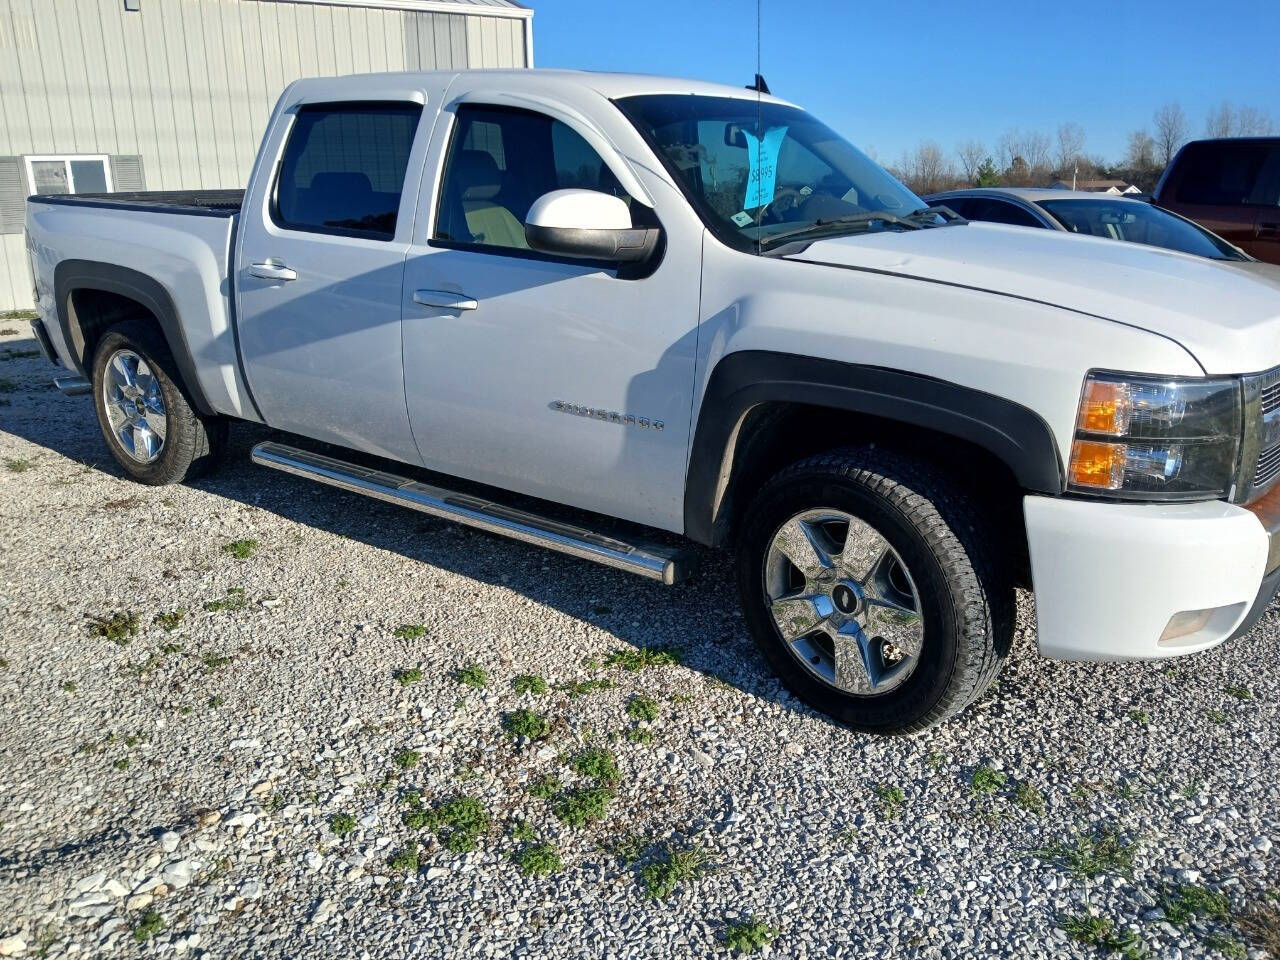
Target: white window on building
<point>68,174</point>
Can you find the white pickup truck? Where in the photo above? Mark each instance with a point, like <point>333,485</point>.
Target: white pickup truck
<point>697,309</point>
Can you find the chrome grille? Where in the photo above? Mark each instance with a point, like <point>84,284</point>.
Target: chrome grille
<point>1267,467</point>
<point>1271,398</point>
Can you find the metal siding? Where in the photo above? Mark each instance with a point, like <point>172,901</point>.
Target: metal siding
<point>188,85</point>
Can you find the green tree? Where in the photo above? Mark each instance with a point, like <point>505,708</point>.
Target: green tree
<point>987,175</point>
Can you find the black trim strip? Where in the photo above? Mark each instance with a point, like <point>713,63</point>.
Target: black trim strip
<point>1016,435</point>
<point>191,203</point>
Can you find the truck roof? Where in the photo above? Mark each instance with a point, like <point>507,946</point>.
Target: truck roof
<point>609,85</point>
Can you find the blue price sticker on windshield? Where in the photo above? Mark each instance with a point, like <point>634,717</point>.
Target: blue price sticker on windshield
<point>762,153</point>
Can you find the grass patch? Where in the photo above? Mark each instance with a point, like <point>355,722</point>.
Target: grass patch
<point>644,709</point>
<point>577,808</point>
<point>539,859</point>
<point>18,464</point>
<point>1185,902</point>
<point>527,724</point>
<point>234,600</point>
<point>597,763</point>
<point>459,823</point>
<point>240,549</point>
<point>544,788</point>
<point>986,782</point>
<point>1227,946</point>
<point>639,735</point>
<point>408,676</point>
<point>1140,717</point>
<point>148,925</point>
<point>748,936</point>
<point>212,660</point>
<point>1089,855</point>
<point>474,676</point>
<point>168,622</point>
<point>892,800</point>
<point>407,759</point>
<point>1260,922</point>
<point>119,627</point>
<point>1239,691</point>
<point>529,683</point>
<point>638,659</point>
<point>628,848</point>
<point>674,866</point>
<point>523,832</point>
<point>409,631</point>
<point>1101,932</point>
<point>217,700</point>
<point>70,686</point>
<point>1217,717</point>
<point>121,764</point>
<point>584,687</point>
<point>1029,798</point>
<point>341,824</point>
<point>405,861</point>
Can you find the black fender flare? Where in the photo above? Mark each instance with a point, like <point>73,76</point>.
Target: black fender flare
<point>72,276</point>
<point>1014,434</point>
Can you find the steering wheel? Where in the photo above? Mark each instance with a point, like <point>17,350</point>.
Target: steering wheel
<point>771,215</point>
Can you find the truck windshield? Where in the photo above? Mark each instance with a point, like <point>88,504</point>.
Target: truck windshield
<point>758,171</point>
<point>1139,222</point>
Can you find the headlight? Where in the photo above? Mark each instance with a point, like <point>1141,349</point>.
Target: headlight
<point>1147,439</point>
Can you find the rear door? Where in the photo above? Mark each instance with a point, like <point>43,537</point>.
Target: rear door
<point>1227,186</point>
<point>319,270</point>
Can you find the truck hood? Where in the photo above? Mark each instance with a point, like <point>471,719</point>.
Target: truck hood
<point>1227,318</point>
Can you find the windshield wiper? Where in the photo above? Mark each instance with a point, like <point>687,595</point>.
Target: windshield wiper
<point>943,211</point>
<point>857,219</point>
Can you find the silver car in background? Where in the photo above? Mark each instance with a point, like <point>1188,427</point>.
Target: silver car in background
<point>1094,214</point>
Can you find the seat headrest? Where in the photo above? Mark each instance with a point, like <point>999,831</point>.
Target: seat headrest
<point>478,175</point>
<point>341,183</point>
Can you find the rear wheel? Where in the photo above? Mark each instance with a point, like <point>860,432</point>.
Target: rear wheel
<point>149,424</point>
<point>866,583</point>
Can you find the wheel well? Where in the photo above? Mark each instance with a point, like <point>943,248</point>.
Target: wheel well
<point>772,436</point>
<point>90,313</point>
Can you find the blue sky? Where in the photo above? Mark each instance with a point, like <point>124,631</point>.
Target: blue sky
<point>888,74</point>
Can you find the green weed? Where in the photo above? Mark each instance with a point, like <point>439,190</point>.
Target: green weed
<point>474,676</point>
<point>119,627</point>
<point>529,683</point>
<point>676,865</point>
<point>644,709</point>
<point>748,936</point>
<point>638,659</point>
<point>240,549</point>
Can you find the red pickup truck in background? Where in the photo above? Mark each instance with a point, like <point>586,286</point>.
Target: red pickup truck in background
<point>1230,186</point>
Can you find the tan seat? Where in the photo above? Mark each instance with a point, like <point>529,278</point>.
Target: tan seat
<point>487,221</point>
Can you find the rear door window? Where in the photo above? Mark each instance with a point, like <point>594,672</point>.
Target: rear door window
<point>343,168</point>
<point>1001,211</point>
<point>1227,174</point>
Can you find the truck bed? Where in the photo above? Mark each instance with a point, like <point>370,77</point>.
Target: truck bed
<point>207,203</point>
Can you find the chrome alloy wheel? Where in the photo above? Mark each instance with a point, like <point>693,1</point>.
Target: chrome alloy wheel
<point>844,602</point>
<point>135,405</point>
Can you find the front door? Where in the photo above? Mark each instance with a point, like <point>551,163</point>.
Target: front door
<point>319,277</point>
<point>557,378</point>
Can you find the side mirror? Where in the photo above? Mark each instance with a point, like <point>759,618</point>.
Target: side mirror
<point>587,224</point>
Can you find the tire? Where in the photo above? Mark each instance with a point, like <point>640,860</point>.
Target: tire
<point>935,562</point>
<point>191,443</point>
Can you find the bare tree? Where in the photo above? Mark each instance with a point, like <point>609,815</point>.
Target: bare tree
<point>971,154</point>
<point>1171,131</point>
<point>1140,154</point>
<point>926,170</point>
<point>1070,147</point>
<point>1024,157</point>
<point>1221,121</point>
<point>1252,122</point>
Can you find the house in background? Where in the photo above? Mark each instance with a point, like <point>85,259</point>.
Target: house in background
<point>103,95</point>
<point>1116,188</point>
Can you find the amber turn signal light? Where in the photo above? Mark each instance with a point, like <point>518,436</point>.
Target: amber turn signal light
<point>1097,465</point>
<point>1105,408</point>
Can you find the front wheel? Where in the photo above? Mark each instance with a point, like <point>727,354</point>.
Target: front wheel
<point>149,424</point>
<point>866,582</point>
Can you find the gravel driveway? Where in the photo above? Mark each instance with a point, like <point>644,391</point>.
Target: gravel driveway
<point>258,718</point>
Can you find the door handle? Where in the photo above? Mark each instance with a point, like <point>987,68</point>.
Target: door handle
<point>272,269</point>
<point>1268,229</point>
<point>444,298</point>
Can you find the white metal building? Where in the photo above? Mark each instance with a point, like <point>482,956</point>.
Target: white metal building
<point>174,94</point>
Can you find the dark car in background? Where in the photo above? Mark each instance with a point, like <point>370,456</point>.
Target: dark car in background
<point>1230,186</point>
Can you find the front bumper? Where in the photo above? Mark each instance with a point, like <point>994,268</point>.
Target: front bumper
<point>1109,577</point>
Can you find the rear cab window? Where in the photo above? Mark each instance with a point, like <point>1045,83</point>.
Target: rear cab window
<point>344,167</point>
<point>1230,174</point>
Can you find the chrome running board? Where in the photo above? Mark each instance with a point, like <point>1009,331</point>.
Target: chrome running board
<point>72,386</point>
<point>664,564</point>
